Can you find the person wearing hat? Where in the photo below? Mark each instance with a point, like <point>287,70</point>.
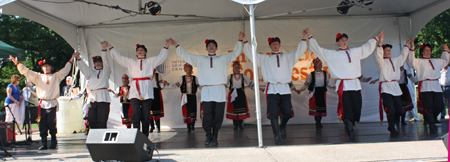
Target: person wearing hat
<point>157,109</point>
<point>389,89</point>
<point>188,85</point>
<point>430,101</point>
<point>344,64</point>
<point>212,72</point>
<point>141,90</point>
<point>122,92</point>
<point>47,89</point>
<point>317,82</point>
<point>98,84</point>
<point>237,107</point>
<point>276,69</point>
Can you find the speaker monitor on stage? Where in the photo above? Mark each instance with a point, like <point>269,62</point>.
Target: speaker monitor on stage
<point>119,144</point>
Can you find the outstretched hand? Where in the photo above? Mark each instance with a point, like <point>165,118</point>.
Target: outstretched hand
<point>107,44</point>
<point>242,36</point>
<point>410,42</point>
<point>103,44</point>
<point>373,81</point>
<point>381,34</point>
<point>76,55</point>
<point>381,37</point>
<point>173,42</point>
<point>168,42</point>
<point>14,60</point>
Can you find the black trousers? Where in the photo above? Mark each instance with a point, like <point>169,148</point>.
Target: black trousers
<point>352,103</point>
<point>277,103</point>
<point>141,112</point>
<point>48,122</point>
<point>433,102</point>
<point>125,109</point>
<point>213,115</point>
<point>393,108</point>
<point>98,114</point>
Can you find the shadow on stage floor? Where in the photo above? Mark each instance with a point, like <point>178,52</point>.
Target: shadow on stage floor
<point>300,134</point>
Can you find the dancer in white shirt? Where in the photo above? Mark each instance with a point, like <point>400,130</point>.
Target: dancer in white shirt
<point>276,69</point>
<point>428,70</point>
<point>212,76</point>
<point>345,65</point>
<point>47,88</point>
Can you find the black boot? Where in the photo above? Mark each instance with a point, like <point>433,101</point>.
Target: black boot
<point>235,125</point>
<point>193,126</point>
<point>152,125</point>
<point>435,117</point>
<point>208,137</point>
<point>431,124</point>
<point>241,124</point>
<point>425,120</point>
<point>158,125</point>
<point>349,128</point>
<point>54,142</point>
<point>391,125</point>
<point>214,137</point>
<point>318,120</point>
<point>276,130</point>
<point>189,127</point>
<point>283,127</point>
<point>44,143</point>
<point>403,118</point>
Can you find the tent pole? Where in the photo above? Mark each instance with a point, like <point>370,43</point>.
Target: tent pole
<point>255,76</point>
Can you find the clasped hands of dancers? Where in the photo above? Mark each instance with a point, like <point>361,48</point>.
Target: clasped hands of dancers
<point>276,68</point>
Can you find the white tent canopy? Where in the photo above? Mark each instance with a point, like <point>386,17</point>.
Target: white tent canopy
<point>190,22</point>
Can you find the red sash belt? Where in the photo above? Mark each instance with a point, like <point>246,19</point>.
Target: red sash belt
<point>420,105</point>
<point>380,102</point>
<point>340,109</point>
<point>38,119</point>
<point>137,85</point>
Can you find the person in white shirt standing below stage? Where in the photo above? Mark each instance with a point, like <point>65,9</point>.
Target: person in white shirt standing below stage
<point>212,76</point>
<point>141,91</point>
<point>345,65</point>
<point>47,88</point>
<point>277,69</point>
<point>98,84</point>
<point>445,83</point>
<point>389,89</point>
<point>237,107</point>
<point>428,72</point>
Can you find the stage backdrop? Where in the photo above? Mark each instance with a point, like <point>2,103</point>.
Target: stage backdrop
<point>192,36</point>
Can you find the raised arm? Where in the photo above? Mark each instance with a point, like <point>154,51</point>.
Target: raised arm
<point>315,48</point>
<point>411,61</point>
<point>379,57</point>
<point>405,50</point>
<point>301,49</point>
<point>61,74</point>
<point>106,65</point>
<point>186,56</point>
<point>445,56</point>
<point>82,65</point>
<point>29,74</point>
<point>368,48</point>
<point>115,54</point>
<point>237,50</point>
<point>163,54</point>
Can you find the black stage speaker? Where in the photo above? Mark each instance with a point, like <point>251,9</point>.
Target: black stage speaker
<point>119,144</point>
<point>445,140</point>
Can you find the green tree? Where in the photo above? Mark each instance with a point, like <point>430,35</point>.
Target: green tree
<point>38,41</point>
<point>436,33</point>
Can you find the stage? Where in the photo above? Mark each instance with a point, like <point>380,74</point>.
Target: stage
<point>302,134</point>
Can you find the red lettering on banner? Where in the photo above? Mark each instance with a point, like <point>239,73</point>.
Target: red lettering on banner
<point>304,74</point>
<point>249,71</point>
<point>295,72</point>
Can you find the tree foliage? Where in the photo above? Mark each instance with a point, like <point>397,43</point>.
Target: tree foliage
<point>38,41</point>
<point>436,33</point>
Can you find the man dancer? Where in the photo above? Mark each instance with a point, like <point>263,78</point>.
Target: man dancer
<point>99,83</point>
<point>345,65</point>
<point>141,91</point>
<point>389,89</point>
<point>212,76</point>
<point>47,88</point>
<point>428,70</point>
<point>276,69</point>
